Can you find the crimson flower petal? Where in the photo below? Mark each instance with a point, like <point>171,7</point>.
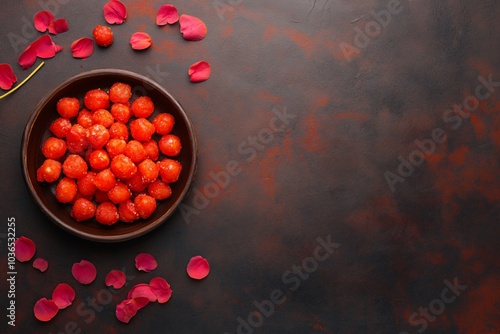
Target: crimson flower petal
<point>27,58</point>
<point>84,272</point>
<point>142,290</point>
<point>161,289</point>
<point>141,302</point>
<point>58,26</point>
<point>42,20</point>
<point>145,262</point>
<point>82,48</point>
<point>44,47</point>
<point>7,76</point>
<point>192,28</point>
<point>63,295</point>
<point>126,310</point>
<point>115,12</point>
<point>140,41</point>
<point>198,267</point>
<point>25,248</point>
<point>45,309</point>
<point>167,14</point>
<point>115,278</point>
<point>199,71</point>
<point>40,264</point>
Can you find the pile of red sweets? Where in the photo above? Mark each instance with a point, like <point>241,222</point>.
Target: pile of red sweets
<point>98,170</point>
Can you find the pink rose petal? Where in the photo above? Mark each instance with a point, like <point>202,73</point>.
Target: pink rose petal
<point>58,26</point>
<point>192,28</point>
<point>84,272</point>
<point>115,278</point>
<point>44,47</point>
<point>199,71</point>
<point>142,290</point>
<point>27,58</point>
<point>63,295</point>
<point>115,12</point>
<point>141,302</point>
<point>82,48</point>
<point>126,310</point>
<point>140,41</point>
<point>7,77</point>
<point>198,267</point>
<point>167,14</point>
<point>25,249</point>
<point>145,262</point>
<point>42,20</point>
<point>40,264</point>
<point>161,289</point>
<point>45,309</point>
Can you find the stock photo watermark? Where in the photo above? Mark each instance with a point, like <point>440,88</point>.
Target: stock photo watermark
<point>11,271</point>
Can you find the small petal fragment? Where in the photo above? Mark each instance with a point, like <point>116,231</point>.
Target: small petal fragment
<point>140,41</point>
<point>115,12</point>
<point>192,28</point>
<point>40,264</point>
<point>142,290</point>
<point>145,262</point>
<point>84,272</point>
<point>42,20</point>
<point>198,267</point>
<point>7,77</point>
<point>126,310</point>
<point>45,309</point>
<point>63,295</point>
<point>115,278</point>
<point>58,26</point>
<point>25,249</point>
<point>167,14</point>
<point>82,48</point>
<point>161,289</point>
<point>199,71</point>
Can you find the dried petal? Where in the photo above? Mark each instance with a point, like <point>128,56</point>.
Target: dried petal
<point>45,309</point>
<point>161,289</point>
<point>7,77</point>
<point>40,264</point>
<point>126,310</point>
<point>58,26</point>
<point>44,47</point>
<point>145,262</point>
<point>82,48</point>
<point>115,12</point>
<point>84,272</point>
<point>142,290</point>
<point>63,295</point>
<point>42,20</point>
<point>167,14</point>
<point>115,278</point>
<point>199,71</point>
<point>27,58</point>
<point>198,267</point>
<point>192,28</point>
<point>25,248</point>
<point>140,41</point>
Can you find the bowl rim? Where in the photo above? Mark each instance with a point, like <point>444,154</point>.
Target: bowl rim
<point>59,222</point>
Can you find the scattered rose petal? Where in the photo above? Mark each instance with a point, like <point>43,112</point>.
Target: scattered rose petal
<point>7,77</point>
<point>198,267</point>
<point>82,48</point>
<point>63,295</point>
<point>140,41</point>
<point>58,26</point>
<point>27,58</point>
<point>40,264</point>
<point>192,28</point>
<point>142,290</point>
<point>115,278</point>
<point>161,289</point>
<point>58,48</point>
<point>42,20</point>
<point>126,310</point>
<point>45,309</point>
<point>84,272</point>
<point>25,249</point>
<point>115,12</point>
<point>44,47</point>
<point>141,302</point>
<point>145,262</point>
<point>199,71</point>
<point>167,14</point>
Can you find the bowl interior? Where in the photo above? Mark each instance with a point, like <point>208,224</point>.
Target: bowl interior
<point>37,131</point>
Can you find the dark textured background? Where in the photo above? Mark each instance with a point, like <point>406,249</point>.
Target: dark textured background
<point>322,175</point>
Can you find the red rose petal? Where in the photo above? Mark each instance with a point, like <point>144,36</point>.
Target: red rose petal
<point>192,28</point>
<point>142,290</point>
<point>40,264</point>
<point>58,26</point>
<point>82,48</point>
<point>126,310</point>
<point>167,14</point>
<point>25,248</point>
<point>140,41</point>
<point>145,262</point>
<point>84,272</point>
<point>115,12</point>
<point>45,309</point>
<point>44,47</point>
<point>63,295</point>
<point>141,302</point>
<point>27,58</point>
<point>161,289</point>
<point>198,267</point>
<point>7,76</point>
<point>199,71</point>
<point>115,278</point>
<point>42,20</point>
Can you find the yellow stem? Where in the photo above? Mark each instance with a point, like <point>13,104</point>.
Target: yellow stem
<point>22,82</point>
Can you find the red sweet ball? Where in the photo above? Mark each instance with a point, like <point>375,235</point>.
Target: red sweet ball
<point>103,35</point>
<point>105,180</point>
<point>103,117</point>
<point>145,205</point>
<point>164,123</point>
<point>159,190</point>
<point>86,186</point>
<point>121,112</point>
<point>127,212</point>
<point>135,151</point>
<point>68,107</point>
<point>141,129</point>
<point>54,148</point>
<point>49,171</point>
<point>107,213</point>
<point>120,93</point>
<point>142,107</point>
<point>119,193</point>
<point>60,127</point>
<point>66,190</point>
<point>97,136</point>
<point>99,159</point>
<point>116,147</point>
<point>85,118</point>
<point>170,145</point>
<point>123,167</point>
<point>96,99</point>
<point>118,130</point>
<point>83,209</point>
<point>169,170</point>
<point>77,139</point>
<point>74,166</point>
